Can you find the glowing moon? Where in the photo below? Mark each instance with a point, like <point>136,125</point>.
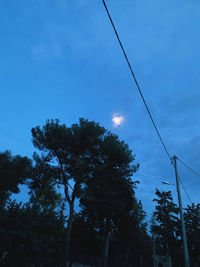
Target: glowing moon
<point>117,120</point>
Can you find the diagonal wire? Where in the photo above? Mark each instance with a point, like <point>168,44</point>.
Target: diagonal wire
<point>134,77</point>
<point>143,99</point>
<point>172,162</point>
<point>185,190</point>
<point>189,168</point>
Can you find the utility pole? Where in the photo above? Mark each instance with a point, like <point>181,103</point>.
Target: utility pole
<point>187,263</point>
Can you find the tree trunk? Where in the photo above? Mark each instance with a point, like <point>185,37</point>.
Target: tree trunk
<point>106,250</point>
<point>141,260</point>
<point>69,230</point>
<point>127,255</point>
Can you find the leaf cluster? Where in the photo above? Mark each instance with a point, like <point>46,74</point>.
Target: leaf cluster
<point>14,170</point>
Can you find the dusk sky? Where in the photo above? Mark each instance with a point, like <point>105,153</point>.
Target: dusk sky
<point>61,59</point>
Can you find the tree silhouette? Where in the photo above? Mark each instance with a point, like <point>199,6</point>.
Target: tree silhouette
<point>69,154</point>
<point>108,193</point>
<point>166,226</point>
<point>14,171</point>
<point>192,223</point>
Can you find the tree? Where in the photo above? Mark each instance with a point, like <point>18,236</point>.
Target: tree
<point>192,223</point>
<point>14,171</point>
<point>109,192</point>
<point>67,153</point>
<point>166,226</point>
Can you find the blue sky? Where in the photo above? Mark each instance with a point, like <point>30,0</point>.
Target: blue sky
<point>60,59</point>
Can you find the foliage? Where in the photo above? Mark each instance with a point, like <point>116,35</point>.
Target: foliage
<point>14,170</point>
<point>29,237</point>
<point>166,226</point>
<point>42,185</point>
<point>66,153</point>
<point>192,223</point>
<point>132,239</point>
<point>89,163</point>
<point>85,243</point>
<point>108,192</point>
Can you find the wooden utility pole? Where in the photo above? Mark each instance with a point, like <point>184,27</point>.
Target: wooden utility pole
<point>187,263</point>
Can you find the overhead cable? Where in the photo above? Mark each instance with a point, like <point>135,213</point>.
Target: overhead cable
<point>134,77</point>
<point>142,96</point>
<point>189,168</point>
<point>185,191</point>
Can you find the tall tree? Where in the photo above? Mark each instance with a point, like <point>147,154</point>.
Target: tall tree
<point>166,223</point>
<point>14,171</point>
<point>67,153</point>
<point>109,191</point>
<point>192,223</point>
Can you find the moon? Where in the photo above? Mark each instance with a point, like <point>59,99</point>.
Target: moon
<point>117,120</point>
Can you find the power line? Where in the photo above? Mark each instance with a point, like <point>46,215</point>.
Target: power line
<point>142,96</point>
<point>185,190</point>
<point>189,168</point>
<point>134,77</point>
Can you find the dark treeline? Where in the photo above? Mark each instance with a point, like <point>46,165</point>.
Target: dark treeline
<point>167,233</point>
<point>84,162</point>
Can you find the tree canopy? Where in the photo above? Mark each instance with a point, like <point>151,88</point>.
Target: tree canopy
<point>98,163</point>
<point>166,226</point>
<point>192,223</point>
<point>14,171</point>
